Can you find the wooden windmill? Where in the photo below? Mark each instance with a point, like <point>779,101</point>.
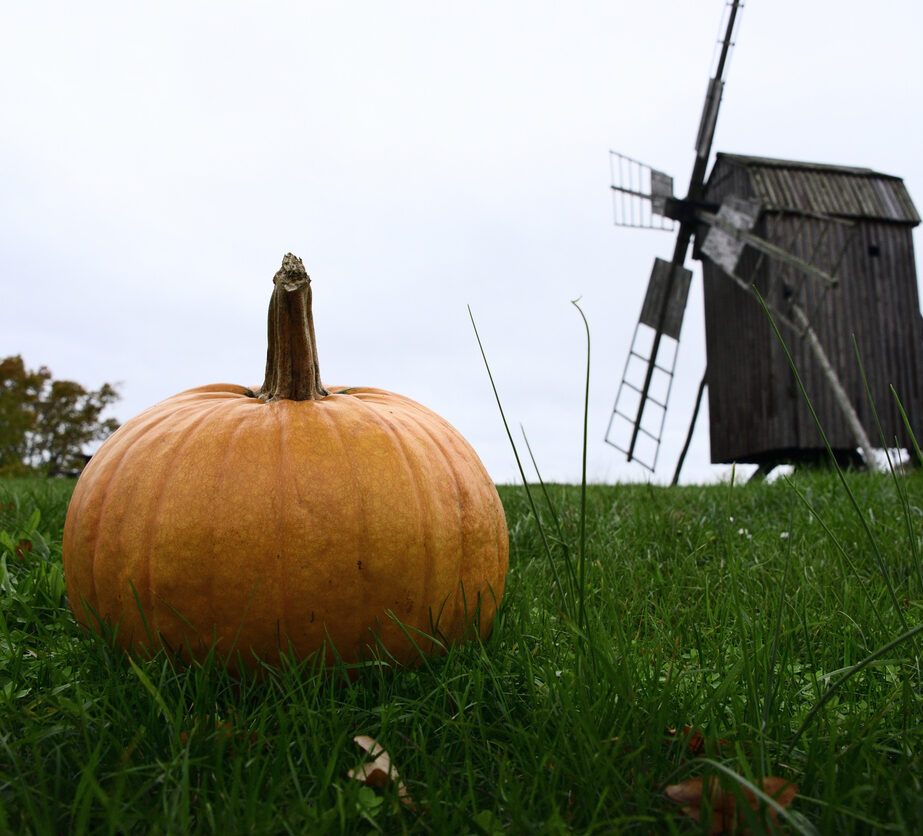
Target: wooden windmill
<point>828,248</point>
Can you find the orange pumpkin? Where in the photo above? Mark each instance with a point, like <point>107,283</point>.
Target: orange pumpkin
<point>284,520</point>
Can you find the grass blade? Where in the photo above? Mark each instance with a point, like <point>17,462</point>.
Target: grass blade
<point>882,567</point>
<point>833,687</point>
<point>581,552</point>
<point>525,482</point>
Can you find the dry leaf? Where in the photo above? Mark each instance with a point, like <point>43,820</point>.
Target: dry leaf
<point>723,803</point>
<point>694,742</point>
<point>379,772</point>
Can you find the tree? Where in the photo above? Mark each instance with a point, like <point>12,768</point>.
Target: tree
<point>19,391</point>
<point>46,424</point>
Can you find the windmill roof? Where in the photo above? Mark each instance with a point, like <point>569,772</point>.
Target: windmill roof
<point>843,191</point>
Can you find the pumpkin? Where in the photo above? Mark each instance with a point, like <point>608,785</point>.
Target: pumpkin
<point>297,517</point>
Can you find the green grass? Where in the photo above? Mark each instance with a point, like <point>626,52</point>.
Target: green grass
<point>732,609</point>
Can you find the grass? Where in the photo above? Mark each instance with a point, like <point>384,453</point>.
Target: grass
<point>759,615</point>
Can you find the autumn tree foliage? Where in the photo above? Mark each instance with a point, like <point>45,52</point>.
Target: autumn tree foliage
<point>47,424</point>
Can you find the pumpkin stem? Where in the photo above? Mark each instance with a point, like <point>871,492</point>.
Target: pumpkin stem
<point>292,372</point>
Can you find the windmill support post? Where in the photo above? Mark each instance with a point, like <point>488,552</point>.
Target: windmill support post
<point>695,415</point>
<point>839,393</point>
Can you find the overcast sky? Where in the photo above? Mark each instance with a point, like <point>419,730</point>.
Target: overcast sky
<point>421,156</point>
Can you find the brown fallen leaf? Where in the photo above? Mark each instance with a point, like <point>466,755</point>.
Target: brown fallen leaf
<point>379,772</point>
<point>694,742</point>
<point>725,817</point>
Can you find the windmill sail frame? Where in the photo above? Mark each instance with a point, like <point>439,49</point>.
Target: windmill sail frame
<point>639,194</point>
<point>626,426</point>
<point>665,299</point>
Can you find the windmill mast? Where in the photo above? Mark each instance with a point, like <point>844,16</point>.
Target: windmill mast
<point>694,195</point>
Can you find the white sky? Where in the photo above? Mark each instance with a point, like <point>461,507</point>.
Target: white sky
<point>158,160</point>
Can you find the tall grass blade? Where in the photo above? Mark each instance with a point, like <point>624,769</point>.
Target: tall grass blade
<point>561,539</point>
<point>538,475</point>
<point>581,553</point>
<point>841,549</point>
<point>776,633</point>
<point>832,689</point>
<point>525,482</point>
<point>906,420</point>
<point>852,498</point>
<point>575,609</point>
<point>152,690</point>
<point>902,494</point>
<point>905,501</point>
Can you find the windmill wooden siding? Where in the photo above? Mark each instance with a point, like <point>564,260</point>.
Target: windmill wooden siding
<point>757,412</point>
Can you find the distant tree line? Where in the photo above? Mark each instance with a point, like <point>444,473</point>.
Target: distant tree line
<point>46,424</point>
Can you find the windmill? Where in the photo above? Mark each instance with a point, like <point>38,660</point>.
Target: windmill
<point>796,226</point>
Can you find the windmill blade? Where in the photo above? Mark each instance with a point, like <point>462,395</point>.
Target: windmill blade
<point>715,91</point>
<point>665,299</point>
<point>668,285</point>
<point>639,439</point>
<point>636,424</point>
<point>723,247</point>
<point>713,95</point>
<point>709,118</point>
<point>640,194</point>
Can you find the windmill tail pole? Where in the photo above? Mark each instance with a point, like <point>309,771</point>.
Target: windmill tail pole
<point>839,393</point>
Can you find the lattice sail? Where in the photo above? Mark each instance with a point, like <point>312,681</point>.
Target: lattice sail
<point>636,425</point>
<point>639,194</point>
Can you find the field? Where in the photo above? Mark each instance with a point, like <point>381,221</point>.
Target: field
<point>652,636</point>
